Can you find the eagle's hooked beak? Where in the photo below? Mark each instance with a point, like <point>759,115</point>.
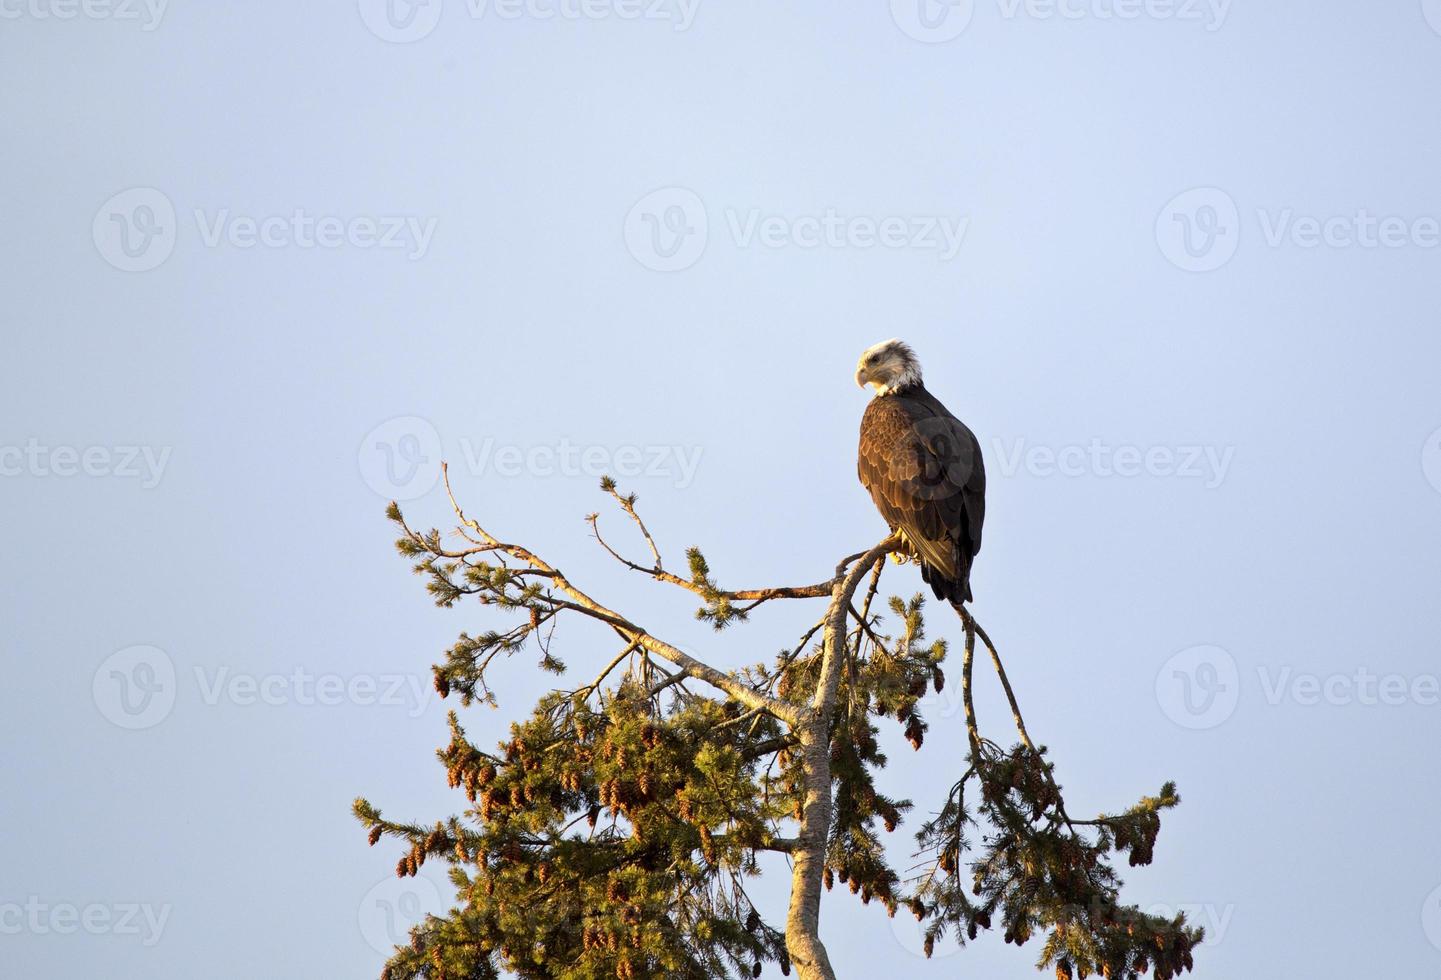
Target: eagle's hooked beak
<point>861,378</point>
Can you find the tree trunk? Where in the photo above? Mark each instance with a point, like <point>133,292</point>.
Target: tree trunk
<point>803,941</point>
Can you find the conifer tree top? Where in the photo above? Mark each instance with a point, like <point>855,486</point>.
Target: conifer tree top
<point>615,832</point>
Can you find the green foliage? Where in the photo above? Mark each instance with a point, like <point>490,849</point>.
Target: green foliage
<point>613,833</point>
<point>605,841</point>
<point>1039,872</point>
<point>719,610</point>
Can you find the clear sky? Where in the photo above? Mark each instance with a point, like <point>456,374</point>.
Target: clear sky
<point>1176,263</point>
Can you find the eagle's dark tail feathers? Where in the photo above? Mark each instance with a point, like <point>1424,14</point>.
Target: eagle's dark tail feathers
<point>953,590</point>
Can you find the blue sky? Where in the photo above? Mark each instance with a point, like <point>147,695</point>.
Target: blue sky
<point>1176,263</point>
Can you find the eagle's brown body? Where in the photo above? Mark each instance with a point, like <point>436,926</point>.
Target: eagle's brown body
<point>923,469</point>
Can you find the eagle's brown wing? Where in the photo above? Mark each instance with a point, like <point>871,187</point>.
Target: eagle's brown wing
<point>924,471</point>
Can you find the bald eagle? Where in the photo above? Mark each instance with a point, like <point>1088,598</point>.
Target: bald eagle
<point>923,469</point>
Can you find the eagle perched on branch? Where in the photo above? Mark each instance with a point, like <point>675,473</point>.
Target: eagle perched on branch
<point>923,469</point>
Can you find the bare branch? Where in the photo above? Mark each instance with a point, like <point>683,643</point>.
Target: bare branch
<point>590,688</point>
<point>627,503</point>
<point>754,596</point>
<point>967,670</point>
<point>582,603</point>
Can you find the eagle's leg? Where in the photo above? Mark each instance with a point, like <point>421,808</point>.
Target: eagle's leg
<point>906,556</point>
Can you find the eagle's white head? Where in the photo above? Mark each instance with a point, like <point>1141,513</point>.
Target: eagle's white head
<point>888,366</point>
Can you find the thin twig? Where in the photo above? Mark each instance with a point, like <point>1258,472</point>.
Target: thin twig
<point>628,503</point>
<point>967,663</point>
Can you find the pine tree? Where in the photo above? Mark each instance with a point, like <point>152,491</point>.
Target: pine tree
<point>614,833</point>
